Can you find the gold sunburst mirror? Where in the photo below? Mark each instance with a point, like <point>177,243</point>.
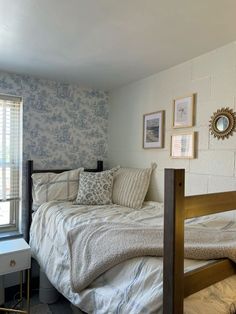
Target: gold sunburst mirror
<point>223,123</point>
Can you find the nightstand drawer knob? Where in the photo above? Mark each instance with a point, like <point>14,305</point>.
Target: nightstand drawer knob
<point>12,263</point>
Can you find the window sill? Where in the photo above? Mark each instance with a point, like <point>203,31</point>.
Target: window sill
<point>8,235</point>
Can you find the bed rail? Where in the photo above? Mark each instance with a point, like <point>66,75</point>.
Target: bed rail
<point>200,205</point>
<point>177,285</point>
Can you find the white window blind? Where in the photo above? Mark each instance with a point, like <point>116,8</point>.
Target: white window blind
<point>9,148</point>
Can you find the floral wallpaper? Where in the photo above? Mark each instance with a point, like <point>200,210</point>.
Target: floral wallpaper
<point>64,125</point>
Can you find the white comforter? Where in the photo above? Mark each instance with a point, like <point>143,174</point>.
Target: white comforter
<point>134,286</point>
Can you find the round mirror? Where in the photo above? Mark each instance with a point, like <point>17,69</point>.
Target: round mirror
<point>223,123</point>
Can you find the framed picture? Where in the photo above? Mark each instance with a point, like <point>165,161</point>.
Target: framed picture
<point>183,112</point>
<point>182,145</point>
<point>153,130</point>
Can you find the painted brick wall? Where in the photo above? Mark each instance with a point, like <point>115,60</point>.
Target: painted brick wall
<point>213,77</point>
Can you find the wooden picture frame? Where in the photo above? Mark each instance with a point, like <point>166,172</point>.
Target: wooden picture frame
<point>183,145</point>
<point>183,111</point>
<point>153,129</point>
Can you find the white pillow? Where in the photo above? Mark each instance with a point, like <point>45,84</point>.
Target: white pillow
<point>130,186</point>
<point>55,187</point>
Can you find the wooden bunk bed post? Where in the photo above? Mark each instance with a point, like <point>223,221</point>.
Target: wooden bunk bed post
<point>173,260</point>
<point>99,165</point>
<point>29,194</point>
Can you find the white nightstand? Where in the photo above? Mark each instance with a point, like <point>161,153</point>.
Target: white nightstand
<point>15,256</point>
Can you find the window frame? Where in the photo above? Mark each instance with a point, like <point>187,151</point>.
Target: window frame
<point>15,204</point>
<point>14,217</point>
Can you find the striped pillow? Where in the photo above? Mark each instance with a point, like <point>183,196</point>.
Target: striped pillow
<point>55,187</point>
<point>130,186</point>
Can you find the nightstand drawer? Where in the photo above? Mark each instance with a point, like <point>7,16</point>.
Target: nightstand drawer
<point>15,256</point>
<point>15,261</point>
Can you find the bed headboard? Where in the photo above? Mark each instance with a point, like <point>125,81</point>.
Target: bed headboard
<point>31,170</point>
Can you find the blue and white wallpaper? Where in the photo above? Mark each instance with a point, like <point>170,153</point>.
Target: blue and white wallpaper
<point>64,125</point>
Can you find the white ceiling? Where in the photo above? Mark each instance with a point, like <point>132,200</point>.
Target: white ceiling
<point>109,43</point>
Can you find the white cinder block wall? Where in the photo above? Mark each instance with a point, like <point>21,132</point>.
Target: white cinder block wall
<point>213,77</point>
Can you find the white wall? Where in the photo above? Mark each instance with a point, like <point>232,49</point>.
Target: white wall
<point>213,77</point>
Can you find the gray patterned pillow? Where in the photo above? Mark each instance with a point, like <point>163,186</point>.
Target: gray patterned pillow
<point>95,188</point>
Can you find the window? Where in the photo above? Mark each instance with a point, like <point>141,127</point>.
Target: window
<point>10,156</point>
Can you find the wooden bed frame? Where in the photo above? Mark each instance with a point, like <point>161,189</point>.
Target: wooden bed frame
<point>176,284</point>
<point>31,170</point>
<point>178,207</point>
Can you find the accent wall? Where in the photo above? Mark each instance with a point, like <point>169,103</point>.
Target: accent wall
<point>64,125</point>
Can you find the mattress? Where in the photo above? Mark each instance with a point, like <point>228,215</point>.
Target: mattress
<point>133,286</point>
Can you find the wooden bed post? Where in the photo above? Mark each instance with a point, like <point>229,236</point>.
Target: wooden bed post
<point>99,165</point>
<point>173,261</point>
<point>29,195</point>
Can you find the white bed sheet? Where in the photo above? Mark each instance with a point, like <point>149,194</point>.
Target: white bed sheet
<point>134,286</point>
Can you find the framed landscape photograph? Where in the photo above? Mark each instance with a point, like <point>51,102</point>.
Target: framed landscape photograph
<point>153,130</point>
<point>183,112</point>
<point>182,145</point>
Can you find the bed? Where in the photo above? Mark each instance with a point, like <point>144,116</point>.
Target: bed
<point>138,280</point>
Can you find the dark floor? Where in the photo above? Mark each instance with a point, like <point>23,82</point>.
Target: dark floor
<point>62,306</point>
